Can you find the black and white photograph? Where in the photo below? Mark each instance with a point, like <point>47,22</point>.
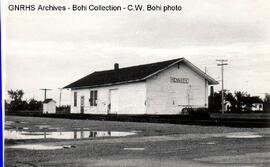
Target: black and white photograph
<point>136,83</point>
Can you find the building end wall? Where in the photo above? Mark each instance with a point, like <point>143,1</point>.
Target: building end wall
<point>174,89</point>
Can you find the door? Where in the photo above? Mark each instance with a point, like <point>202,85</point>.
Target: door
<point>114,101</point>
<point>82,104</point>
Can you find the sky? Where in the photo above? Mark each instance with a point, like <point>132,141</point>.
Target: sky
<point>53,49</point>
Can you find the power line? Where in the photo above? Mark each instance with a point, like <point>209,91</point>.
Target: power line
<point>222,64</point>
<point>45,92</point>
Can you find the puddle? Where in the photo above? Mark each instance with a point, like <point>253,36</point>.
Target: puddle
<point>78,129</point>
<point>55,128</point>
<point>36,147</point>
<point>23,135</point>
<point>136,131</point>
<point>12,122</point>
<point>43,126</point>
<point>9,122</point>
<point>209,143</point>
<point>69,146</point>
<point>9,127</point>
<point>134,149</point>
<point>244,135</point>
<point>48,132</point>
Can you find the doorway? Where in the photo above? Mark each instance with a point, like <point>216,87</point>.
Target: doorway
<point>114,101</point>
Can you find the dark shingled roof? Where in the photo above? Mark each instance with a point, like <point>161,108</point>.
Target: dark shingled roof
<point>122,75</point>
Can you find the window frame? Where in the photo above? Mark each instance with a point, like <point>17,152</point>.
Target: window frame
<point>75,99</point>
<point>93,98</point>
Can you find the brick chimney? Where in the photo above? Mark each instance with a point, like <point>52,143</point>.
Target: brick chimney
<point>116,66</point>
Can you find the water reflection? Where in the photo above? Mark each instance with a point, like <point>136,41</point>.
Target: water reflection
<point>9,122</point>
<point>243,135</point>
<point>36,147</point>
<point>76,134</point>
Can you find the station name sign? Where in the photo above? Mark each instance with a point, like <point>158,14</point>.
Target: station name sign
<point>179,80</point>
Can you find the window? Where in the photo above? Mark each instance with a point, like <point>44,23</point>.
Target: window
<point>75,99</point>
<point>93,98</point>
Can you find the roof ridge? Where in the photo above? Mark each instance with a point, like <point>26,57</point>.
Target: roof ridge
<point>143,64</point>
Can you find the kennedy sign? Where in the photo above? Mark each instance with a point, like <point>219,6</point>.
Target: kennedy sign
<point>179,80</point>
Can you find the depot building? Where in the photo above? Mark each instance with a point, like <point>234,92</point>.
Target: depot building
<point>162,88</point>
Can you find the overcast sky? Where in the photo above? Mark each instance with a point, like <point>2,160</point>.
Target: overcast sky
<point>53,49</point>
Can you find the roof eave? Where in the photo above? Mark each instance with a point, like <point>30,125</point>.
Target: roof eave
<point>159,71</point>
<point>211,81</point>
<point>104,85</point>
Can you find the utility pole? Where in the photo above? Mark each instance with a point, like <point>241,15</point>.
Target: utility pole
<point>45,91</point>
<point>222,64</point>
<point>60,96</point>
<point>205,88</point>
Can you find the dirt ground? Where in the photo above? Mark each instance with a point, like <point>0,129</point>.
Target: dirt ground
<point>153,145</point>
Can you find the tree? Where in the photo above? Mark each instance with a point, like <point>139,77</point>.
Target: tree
<point>249,102</point>
<point>16,100</point>
<point>33,104</point>
<point>232,100</point>
<point>16,95</point>
<point>266,102</point>
<point>216,101</point>
<point>240,100</point>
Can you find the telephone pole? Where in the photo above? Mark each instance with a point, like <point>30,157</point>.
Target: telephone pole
<point>222,64</point>
<point>60,96</point>
<point>45,91</point>
<point>205,88</point>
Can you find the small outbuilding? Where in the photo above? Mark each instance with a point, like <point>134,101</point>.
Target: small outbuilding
<point>49,106</point>
<point>256,104</point>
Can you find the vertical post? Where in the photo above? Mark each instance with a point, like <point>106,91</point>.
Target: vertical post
<point>45,91</point>
<point>44,130</point>
<point>45,94</point>
<point>222,90</point>
<point>205,88</point>
<point>60,96</point>
<point>211,99</point>
<point>222,64</point>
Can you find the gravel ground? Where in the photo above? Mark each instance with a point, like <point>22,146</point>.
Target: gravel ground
<point>154,145</point>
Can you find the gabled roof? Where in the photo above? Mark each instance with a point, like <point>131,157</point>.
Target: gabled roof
<point>131,74</point>
<point>252,99</point>
<point>48,100</point>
